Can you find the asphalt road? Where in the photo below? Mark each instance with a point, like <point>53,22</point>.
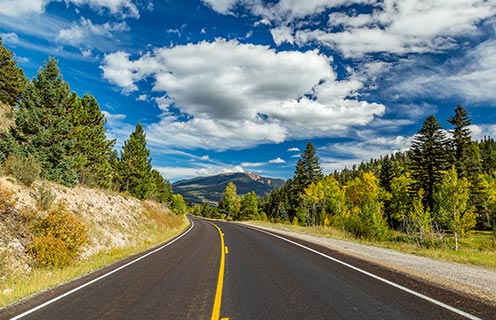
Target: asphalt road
<point>264,278</point>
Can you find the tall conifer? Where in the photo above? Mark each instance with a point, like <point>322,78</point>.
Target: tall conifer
<point>428,157</point>
<point>135,165</point>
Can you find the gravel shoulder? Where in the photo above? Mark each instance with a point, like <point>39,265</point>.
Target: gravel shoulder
<point>471,280</point>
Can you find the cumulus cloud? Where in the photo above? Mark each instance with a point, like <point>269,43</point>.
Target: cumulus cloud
<point>294,149</point>
<point>392,26</point>
<point>16,8</point>
<point>234,95</point>
<point>120,8</point>
<point>482,130</point>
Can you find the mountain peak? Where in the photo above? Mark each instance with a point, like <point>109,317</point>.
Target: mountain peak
<point>210,189</point>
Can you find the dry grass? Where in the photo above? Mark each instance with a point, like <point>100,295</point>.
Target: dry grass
<point>14,289</point>
<point>6,117</point>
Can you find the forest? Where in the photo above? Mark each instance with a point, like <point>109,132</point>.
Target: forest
<point>443,187</point>
<point>61,137</point>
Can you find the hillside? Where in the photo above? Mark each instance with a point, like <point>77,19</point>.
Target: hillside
<point>210,189</point>
<point>115,225</point>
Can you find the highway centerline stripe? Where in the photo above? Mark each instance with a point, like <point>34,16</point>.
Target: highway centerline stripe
<point>102,276</point>
<point>220,280</point>
<point>415,293</point>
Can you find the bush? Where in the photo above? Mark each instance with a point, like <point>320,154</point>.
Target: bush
<point>57,237</point>
<point>25,169</point>
<point>44,196</point>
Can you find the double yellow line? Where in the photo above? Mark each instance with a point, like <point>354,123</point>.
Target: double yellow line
<point>220,280</point>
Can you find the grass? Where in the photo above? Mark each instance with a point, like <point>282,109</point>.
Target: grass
<point>477,249</point>
<point>43,279</point>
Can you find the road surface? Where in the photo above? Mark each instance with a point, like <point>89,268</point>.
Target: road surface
<point>261,276</point>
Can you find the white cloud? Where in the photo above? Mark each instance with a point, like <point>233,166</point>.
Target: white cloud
<point>294,149</point>
<point>277,161</point>
<point>282,34</point>
<point>469,78</point>
<point>85,32</point>
<point>118,128</point>
<point>142,97</point>
<point>482,130</point>
<point>11,38</point>
<point>17,8</point>
<point>20,8</point>
<point>205,157</point>
<point>337,156</point>
<point>404,26</point>
<point>253,164</point>
<point>235,95</point>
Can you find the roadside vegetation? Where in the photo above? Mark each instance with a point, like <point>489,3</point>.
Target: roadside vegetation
<point>52,142</point>
<point>437,199</point>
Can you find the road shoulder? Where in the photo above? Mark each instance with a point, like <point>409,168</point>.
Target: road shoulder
<point>468,280</point>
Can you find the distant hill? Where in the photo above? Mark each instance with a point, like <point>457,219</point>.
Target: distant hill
<point>210,189</point>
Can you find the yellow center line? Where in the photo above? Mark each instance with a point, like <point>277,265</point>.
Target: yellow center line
<point>220,281</point>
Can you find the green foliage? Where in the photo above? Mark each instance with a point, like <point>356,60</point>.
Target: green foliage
<point>42,127</point>
<point>249,207</point>
<point>25,169</point>
<point>365,218</point>
<point>263,216</point>
<point>400,202</point>
<point>419,220</point>
<point>230,203</point>
<point>454,212</point>
<point>429,158</point>
<point>178,205</point>
<point>57,237</point>
<point>12,79</point>
<point>135,165</point>
<point>160,189</point>
<point>92,149</point>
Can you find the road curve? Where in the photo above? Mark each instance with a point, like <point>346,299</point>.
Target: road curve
<point>176,282</point>
<point>269,278</point>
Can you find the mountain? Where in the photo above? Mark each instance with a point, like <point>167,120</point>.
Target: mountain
<point>210,189</point>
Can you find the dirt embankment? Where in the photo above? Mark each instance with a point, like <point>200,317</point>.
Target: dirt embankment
<point>112,220</point>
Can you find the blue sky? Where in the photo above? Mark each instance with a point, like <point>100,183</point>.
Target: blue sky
<point>238,85</point>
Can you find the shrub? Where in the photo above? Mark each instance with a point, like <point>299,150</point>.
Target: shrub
<point>25,169</point>
<point>57,237</point>
<point>44,196</point>
<point>6,199</point>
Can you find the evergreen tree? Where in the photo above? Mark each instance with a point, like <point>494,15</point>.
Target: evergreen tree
<point>43,128</point>
<point>428,158</point>
<point>93,150</point>
<point>487,149</point>
<point>161,189</point>
<point>12,79</point>
<point>135,165</point>
<point>466,154</point>
<point>307,170</point>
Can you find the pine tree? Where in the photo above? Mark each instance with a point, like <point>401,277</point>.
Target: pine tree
<point>428,158</point>
<point>12,79</point>
<point>466,155</point>
<point>161,189</point>
<point>93,149</point>
<point>42,126</point>
<point>135,165</point>
<point>307,170</point>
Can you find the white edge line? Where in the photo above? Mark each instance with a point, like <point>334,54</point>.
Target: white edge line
<point>101,277</point>
<point>415,293</point>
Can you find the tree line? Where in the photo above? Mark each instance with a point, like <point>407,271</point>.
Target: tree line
<point>445,184</point>
<point>62,136</point>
